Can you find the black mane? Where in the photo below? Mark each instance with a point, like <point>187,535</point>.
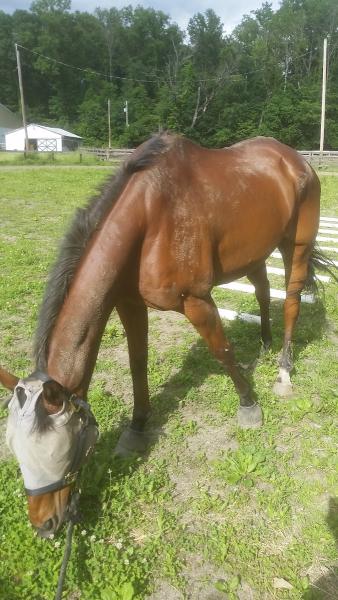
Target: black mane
<point>84,224</point>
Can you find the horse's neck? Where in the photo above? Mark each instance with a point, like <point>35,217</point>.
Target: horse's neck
<point>76,337</point>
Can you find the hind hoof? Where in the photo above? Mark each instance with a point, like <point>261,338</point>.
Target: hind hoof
<point>283,390</point>
<point>131,442</point>
<point>250,417</point>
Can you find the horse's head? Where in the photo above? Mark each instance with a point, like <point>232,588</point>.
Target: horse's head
<point>51,432</point>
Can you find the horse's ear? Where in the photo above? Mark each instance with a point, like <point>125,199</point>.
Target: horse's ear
<point>53,396</point>
<point>8,380</point>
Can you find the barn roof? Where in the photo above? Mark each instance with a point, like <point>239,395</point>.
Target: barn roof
<point>56,130</point>
<point>62,132</point>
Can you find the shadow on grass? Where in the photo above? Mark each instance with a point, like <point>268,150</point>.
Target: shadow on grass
<point>197,365</point>
<point>326,588</point>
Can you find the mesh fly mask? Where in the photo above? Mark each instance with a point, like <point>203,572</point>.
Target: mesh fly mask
<point>49,460</point>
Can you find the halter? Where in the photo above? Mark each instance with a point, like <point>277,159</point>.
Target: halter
<point>49,460</point>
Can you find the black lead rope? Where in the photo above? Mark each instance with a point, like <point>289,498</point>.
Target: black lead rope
<point>73,519</point>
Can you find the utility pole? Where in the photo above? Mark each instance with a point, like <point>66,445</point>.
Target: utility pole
<point>109,128</point>
<point>126,111</point>
<point>322,121</point>
<point>21,96</point>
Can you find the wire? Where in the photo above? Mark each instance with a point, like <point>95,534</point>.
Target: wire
<point>84,70</point>
<point>98,73</point>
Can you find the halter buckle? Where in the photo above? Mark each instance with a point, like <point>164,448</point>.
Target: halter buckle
<point>75,406</point>
<point>70,478</point>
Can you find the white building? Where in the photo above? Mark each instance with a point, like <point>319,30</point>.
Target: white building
<point>42,139</point>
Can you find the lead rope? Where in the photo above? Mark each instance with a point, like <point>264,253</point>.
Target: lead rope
<point>73,519</point>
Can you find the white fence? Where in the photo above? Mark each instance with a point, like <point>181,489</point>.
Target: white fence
<point>107,153</point>
<point>313,156</point>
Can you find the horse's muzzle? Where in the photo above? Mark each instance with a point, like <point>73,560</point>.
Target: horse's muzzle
<point>48,529</point>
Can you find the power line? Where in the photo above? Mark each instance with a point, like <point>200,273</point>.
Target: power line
<point>86,70</point>
<point>157,80</point>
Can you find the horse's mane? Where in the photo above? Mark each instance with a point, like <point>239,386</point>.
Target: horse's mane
<point>85,222</point>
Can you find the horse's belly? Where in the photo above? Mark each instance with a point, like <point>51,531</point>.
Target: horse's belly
<point>240,252</point>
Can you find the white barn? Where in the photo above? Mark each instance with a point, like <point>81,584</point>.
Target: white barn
<point>43,139</point>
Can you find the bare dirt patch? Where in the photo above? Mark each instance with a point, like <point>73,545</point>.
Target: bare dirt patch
<point>170,327</point>
<point>165,591</point>
<point>209,439</point>
<point>202,577</point>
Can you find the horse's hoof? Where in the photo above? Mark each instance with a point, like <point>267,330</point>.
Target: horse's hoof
<point>131,442</point>
<point>282,389</point>
<point>250,417</point>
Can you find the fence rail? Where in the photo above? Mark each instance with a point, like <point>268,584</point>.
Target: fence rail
<point>313,156</point>
<point>107,153</point>
<point>317,157</point>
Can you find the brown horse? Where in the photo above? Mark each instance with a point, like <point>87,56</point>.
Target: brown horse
<point>176,221</point>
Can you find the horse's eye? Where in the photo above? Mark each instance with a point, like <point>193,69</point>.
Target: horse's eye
<point>22,397</point>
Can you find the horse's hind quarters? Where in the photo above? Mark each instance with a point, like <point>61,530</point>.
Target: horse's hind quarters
<point>8,380</point>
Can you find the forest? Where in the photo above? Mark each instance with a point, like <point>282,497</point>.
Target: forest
<point>264,78</point>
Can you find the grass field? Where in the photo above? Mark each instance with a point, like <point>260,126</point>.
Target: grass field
<point>15,159</point>
<point>213,512</point>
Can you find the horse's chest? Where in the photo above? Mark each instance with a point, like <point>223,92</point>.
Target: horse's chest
<point>175,266</point>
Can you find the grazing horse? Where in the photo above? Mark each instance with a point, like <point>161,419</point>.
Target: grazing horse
<point>177,220</point>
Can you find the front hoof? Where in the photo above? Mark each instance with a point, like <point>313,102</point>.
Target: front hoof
<point>131,442</point>
<point>282,389</point>
<point>250,417</point>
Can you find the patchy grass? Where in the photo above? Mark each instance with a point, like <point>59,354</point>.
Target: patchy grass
<point>213,511</point>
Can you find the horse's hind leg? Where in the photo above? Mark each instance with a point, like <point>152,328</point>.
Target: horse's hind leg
<point>296,250</point>
<point>259,279</point>
<point>134,317</point>
<point>296,260</point>
<point>203,314</point>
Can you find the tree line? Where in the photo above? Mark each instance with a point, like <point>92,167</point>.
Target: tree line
<point>263,79</point>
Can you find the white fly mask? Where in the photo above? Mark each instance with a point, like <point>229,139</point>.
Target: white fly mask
<point>49,460</point>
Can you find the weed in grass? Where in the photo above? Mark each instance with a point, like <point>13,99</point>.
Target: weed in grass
<point>243,465</point>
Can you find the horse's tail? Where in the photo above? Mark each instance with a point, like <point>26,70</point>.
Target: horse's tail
<point>319,261</point>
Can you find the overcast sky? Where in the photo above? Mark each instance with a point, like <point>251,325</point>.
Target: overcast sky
<point>230,11</point>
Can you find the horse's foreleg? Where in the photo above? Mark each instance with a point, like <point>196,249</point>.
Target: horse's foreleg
<point>134,317</point>
<point>260,280</point>
<point>203,314</point>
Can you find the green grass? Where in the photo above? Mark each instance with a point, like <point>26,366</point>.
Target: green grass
<point>15,159</point>
<point>213,511</point>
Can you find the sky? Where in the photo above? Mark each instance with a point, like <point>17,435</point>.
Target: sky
<point>180,11</point>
